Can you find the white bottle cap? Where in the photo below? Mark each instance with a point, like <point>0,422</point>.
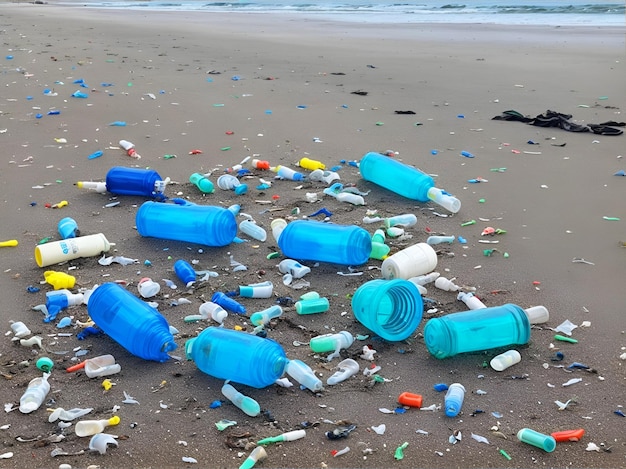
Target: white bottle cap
<point>537,314</point>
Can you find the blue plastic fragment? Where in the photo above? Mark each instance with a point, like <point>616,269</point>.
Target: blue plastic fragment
<point>399,410</point>
<point>620,413</point>
<point>578,366</point>
<point>621,172</point>
<point>439,387</point>
<point>461,240</point>
<point>87,331</point>
<point>215,404</point>
<point>321,211</point>
<point>31,289</point>
<point>95,154</point>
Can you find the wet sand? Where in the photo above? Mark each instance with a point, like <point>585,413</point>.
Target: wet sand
<point>172,82</point>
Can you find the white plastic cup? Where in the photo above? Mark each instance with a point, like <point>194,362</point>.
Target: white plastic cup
<point>148,288</point>
<point>418,259</point>
<point>505,360</point>
<point>72,248</point>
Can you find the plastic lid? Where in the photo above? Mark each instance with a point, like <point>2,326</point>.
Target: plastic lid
<point>537,314</point>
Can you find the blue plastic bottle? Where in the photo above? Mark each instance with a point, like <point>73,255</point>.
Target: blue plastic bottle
<point>325,242</point>
<point>237,356</point>
<point>132,323</point>
<point>185,272</point>
<point>480,329</point>
<point>134,181</point>
<point>201,224</point>
<point>390,308</point>
<point>405,180</point>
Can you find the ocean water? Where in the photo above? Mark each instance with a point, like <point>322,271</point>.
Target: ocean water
<point>527,12</point>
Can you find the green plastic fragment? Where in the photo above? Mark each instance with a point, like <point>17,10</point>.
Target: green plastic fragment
<point>379,379</point>
<point>273,255</point>
<point>399,454</point>
<point>362,337</point>
<point>562,338</point>
<point>168,157</point>
<point>224,424</point>
<point>468,223</point>
<point>380,123</point>
<point>505,255</point>
<point>481,201</point>
<point>225,148</point>
<point>505,454</point>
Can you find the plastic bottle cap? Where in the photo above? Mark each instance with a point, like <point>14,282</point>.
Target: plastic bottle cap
<point>537,314</point>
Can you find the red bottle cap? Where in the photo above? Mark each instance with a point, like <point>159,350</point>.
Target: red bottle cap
<point>411,400</point>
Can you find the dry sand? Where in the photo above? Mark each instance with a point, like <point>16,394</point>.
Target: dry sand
<point>551,205</point>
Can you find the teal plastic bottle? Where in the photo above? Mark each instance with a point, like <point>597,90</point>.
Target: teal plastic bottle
<point>325,242</point>
<point>237,356</point>
<point>405,180</point>
<point>202,182</point>
<point>132,323</point>
<point>480,329</point>
<point>390,308</point>
<point>200,224</point>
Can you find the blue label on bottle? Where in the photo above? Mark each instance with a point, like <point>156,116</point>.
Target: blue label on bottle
<point>65,248</point>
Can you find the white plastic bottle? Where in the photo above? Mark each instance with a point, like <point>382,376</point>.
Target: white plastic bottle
<point>37,390</point>
<point>505,360</point>
<point>446,284</point>
<point>91,427</point>
<point>470,300</point>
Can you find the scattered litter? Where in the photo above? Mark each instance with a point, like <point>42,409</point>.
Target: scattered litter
<point>572,381</point>
<point>480,439</point>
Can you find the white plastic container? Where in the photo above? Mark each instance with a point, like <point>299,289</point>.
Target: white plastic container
<point>20,330</point>
<point>418,259</point>
<point>103,365</point>
<point>505,360</point>
<point>72,248</point>
<point>37,390</point>
<point>148,288</point>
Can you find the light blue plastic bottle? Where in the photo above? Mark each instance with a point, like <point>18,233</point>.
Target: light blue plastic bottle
<point>132,323</point>
<point>237,356</point>
<point>134,181</point>
<point>325,242</point>
<point>480,329</point>
<point>390,308</point>
<point>405,180</point>
<point>200,224</point>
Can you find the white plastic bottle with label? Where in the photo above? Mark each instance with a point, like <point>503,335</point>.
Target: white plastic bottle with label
<point>37,390</point>
<point>72,248</point>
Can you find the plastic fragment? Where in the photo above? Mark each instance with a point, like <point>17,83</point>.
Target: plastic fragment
<point>341,452</point>
<point>100,441</point>
<point>562,405</point>
<point>566,327</point>
<point>7,455</point>
<point>224,424</point>
<point>128,399</point>
<point>592,447</point>
<point>399,453</point>
<point>340,432</point>
<point>505,454</point>
<point>572,381</point>
<point>480,439</point>
<point>190,460</point>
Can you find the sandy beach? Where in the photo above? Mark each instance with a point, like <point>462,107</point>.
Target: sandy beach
<point>279,89</point>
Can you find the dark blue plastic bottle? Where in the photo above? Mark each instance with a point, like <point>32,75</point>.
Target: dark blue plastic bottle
<point>134,181</point>
<point>132,323</point>
<point>237,356</point>
<point>201,224</point>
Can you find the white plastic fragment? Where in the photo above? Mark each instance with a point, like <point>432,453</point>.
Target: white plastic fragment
<point>384,410</point>
<point>369,371</point>
<point>128,399</point>
<point>190,460</point>
<point>368,353</point>
<point>572,381</point>
<point>284,383</point>
<point>591,446</point>
<point>100,441</point>
<point>432,407</point>
<point>341,452</point>
<point>380,429</point>
<point>421,432</point>
<point>562,405</point>
<point>480,439</point>
<point>8,455</point>
<point>566,327</point>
